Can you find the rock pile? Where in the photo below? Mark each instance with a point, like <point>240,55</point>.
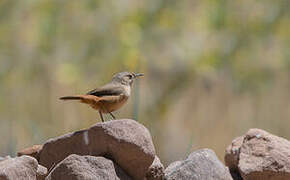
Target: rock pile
<point>126,142</point>
<point>123,150</point>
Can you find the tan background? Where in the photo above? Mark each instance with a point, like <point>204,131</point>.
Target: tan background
<point>213,68</point>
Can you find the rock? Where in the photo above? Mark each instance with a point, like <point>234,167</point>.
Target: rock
<point>41,172</point>
<point>31,151</point>
<point>259,155</point>
<point>232,157</point>
<point>4,158</point>
<point>201,164</point>
<point>126,142</point>
<point>173,167</point>
<point>156,170</point>
<point>76,167</point>
<point>121,173</point>
<point>233,152</point>
<point>20,168</point>
<point>264,156</point>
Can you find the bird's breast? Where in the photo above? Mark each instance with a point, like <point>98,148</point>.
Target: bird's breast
<point>127,91</point>
<point>113,104</point>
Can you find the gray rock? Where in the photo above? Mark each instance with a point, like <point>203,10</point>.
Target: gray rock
<point>41,172</point>
<point>126,142</point>
<point>20,168</point>
<point>201,164</point>
<point>76,167</point>
<point>4,158</point>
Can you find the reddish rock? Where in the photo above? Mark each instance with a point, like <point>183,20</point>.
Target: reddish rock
<point>232,157</point>
<point>57,149</point>
<point>259,155</point>
<point>264,156</point>
<point>201,164</point>
<point>20,168</point>
<point>156,170</point>
<point>76,167</point>
<point>233,152</point>
<point>31,151</point>
<point>126,142</point>
<point>122,175</point>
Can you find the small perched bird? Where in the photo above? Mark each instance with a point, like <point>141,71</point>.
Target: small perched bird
<point>109,97</point>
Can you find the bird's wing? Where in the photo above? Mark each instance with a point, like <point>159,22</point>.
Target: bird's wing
<point>110,99</point>
<point>107,90</point>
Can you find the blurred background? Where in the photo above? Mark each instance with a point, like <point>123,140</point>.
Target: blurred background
<point>213,68</point>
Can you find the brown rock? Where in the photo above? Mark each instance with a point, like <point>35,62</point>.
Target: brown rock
<point>76,167</point>
<point>121,173</point>
<point>125,141</point>
<point>20,168</point>
<point>264,156</point>
<point>156,170</point>
<point>57,149</point>
<point>233,152</point>
<point>232,157</point>
<point>201,164</point>
<point>31,151</point>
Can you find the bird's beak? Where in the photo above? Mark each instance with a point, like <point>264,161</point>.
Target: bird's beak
<point>139,75</point>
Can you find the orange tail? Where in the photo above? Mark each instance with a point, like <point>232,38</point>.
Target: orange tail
<point>88,99</point>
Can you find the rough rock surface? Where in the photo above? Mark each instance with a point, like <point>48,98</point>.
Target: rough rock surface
<point>76,167</point>
<point>156,170</point>
<point>31,151</point>
<point>260,155</point>
<point>41,172</point>
<point>20,168</point>
<point>264,156</point>
<point>233,152</point>
<point>126,142</point>
<point>4,158</point>
<point>232,157</point>
<point>201,164</point>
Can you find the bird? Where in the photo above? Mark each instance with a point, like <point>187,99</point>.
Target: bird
<point>109,97</point>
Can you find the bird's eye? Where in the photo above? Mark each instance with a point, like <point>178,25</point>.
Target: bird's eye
<point>130,76</point>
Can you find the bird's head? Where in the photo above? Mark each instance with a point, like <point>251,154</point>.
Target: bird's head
<point>126,78</point>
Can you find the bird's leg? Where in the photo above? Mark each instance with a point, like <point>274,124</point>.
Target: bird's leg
<point>112,115</point>
<point>101,115</point>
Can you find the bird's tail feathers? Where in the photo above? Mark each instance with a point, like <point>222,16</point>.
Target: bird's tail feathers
<point>75,97</point>
<point>88,99</point>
